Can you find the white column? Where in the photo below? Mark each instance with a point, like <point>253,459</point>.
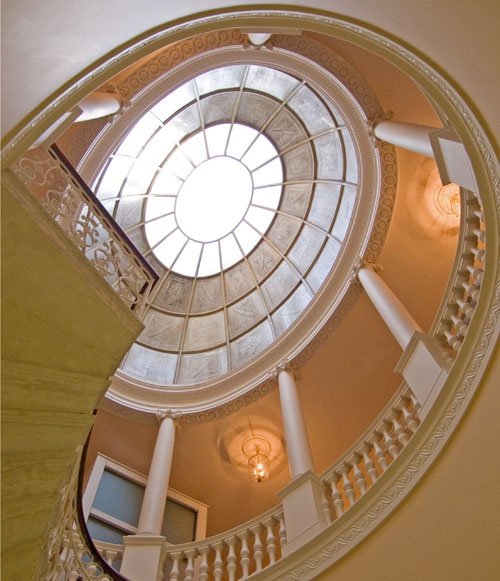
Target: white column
<point>155,496</point>
<point>407,135</point>
<point>297,442</point>
<point>99,104</point>
<point>401,324</point>
<point>302,496</point>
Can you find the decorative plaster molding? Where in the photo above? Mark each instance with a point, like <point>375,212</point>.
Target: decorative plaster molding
<point>173,415</point>
<point>460,387</point>
<point>373,212</point>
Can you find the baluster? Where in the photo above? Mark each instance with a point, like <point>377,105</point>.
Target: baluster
<point>189,570</point>
<point>466,309</point>
<point>409,419</point>
<point>359,477</point>
<point>258,553</point>
<point>218,561</point>
<point>231,558</point>
<point>453,341</point>
<point>204,563</point>
<point>270,540</point>
<point>399,431</point>
<point>282,530</point>
<point>369,463</point>
<point>460,325</point>
<point>346,483</point>
<point>111,556</point>
<point>379,453</point>
<point>476,273</point>
<point>338,504</point>
<point>481,234</point>
<point>325,503</point>
<point>390,442</point>
<point>244,552</point>
<point>479,253</point>
<point>174,571</point>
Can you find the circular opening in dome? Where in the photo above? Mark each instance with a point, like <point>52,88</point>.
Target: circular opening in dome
<point>214,199</point>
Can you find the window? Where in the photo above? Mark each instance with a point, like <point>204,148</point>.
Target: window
<point>112,504</point>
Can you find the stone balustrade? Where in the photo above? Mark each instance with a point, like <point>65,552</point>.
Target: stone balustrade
<point>463,293</point>
<point>353,474</point>
<point>110,552</point>
<point>251,547</point>
<point>232,555</point>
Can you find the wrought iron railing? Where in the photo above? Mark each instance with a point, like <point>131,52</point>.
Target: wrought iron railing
<point>70,553</point>
<point>71,203</point>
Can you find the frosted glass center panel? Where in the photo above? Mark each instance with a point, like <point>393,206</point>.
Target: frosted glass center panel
<point>214,202</point>
<point>214,199</point>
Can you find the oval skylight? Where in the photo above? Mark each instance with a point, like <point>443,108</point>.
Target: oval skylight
<point>238,186</point>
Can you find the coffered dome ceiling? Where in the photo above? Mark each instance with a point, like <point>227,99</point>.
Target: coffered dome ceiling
<point>237,176</point>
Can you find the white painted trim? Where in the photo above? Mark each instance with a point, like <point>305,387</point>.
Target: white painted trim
<point>103,462</point>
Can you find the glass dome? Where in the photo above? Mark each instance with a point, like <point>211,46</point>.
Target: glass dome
<point>238,187</point>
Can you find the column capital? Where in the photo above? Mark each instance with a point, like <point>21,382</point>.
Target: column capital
<point>174,415</point>
<point>362,263</point>
<point>283,366</point>
<point>372,122</point>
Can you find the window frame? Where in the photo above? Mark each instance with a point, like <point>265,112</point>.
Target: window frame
<point>103,463</point>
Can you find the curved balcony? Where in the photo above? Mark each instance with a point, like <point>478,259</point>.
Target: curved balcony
<point>442,369</point>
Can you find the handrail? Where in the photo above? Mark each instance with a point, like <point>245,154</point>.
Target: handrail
<point>75,208</point>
